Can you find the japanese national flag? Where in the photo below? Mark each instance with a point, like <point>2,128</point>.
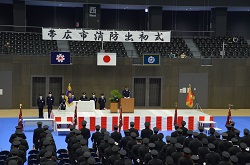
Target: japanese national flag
<point>106,59</point>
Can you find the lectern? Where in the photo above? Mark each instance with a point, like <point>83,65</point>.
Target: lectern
<point>127,105</point>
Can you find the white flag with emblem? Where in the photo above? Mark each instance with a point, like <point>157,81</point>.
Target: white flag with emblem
<point>106,59</point>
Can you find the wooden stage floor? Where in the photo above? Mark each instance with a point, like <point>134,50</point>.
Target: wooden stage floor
<point>10,113</point>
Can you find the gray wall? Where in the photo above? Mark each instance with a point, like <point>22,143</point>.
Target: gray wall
<point>228,79</point>
<point>6,89</point>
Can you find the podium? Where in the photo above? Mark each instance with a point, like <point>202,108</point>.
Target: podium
<point>127,105</point>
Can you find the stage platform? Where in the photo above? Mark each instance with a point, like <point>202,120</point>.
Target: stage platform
<point>160,118</point>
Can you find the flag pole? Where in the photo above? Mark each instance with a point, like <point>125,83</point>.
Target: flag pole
<point>75,115</point>
<point>175,114</point>
<point>120,119</point>
<point>20,118</point>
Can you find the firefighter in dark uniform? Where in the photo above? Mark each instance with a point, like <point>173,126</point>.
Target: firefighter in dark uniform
<point>126,93</point>
<point>148,156</point>
<point>154,137</point>
<point>50,102</point>
<point>224,145</point>
<point>93,97</point>
<point>195,159</point>
<point>225,158</point>
<point>85,132</point>
<point>115,155</point>
<point>211,138</point>
<point>246,137</point>
<point>237,135</point>
<point>235,149</point>
<point>217,141</point>
<point>243,156</point>
<point>163,152</point>
<point>188,139</point>
<point>146,132</point>
<point>175,133</point>
<point>186,158</point>
<point>212,158</point>
<point>201,135</point>
<point>84,97</point>
<point>130,145</point>
<point>49,161</point>
<point>94,137</point>
<point>71,134</point>
<point>195,144</point>
<point>135,149</point>
<point>73,97</point>
<point>132,129</point>
<point>184,129</point>
<point>234,160</point>
<point>40,104</point>
<point>143,150</point>
<point>230,132</point>
<point>125,140</point>
<point>117,136</point>
<point>122,160</point>
<point>159,144</point>
<point>36,135</point>
<point>102,101</point>
<point>155,160</point>
<point>178,153</point>
<point>108,151</point>
<point>180,138</point>
<point>203,151</point>
<point>62,101</point>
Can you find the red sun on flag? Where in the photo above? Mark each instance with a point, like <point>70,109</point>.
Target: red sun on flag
<point>106,58</point>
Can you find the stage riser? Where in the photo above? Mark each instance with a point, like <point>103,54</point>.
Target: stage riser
<point>108,122</point>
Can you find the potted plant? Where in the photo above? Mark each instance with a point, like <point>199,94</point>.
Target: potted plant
<point>114,100</point>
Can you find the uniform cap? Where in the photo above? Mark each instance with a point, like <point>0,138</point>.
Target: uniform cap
<point>123,152</point>
<point>195,157</point>
<point>169,160</point>
<point>48,154</point>
<point>79,137</point>
<point>151,145</point>
<point>78,132</point>
<point>97,127</point>
<point>195,134</point>
<point>237,131</point>
<point>14,151</point>
<point>138,138</point>
<point>160,136</point>
<point>187,150</point>
<point>224,134</point>
<point>111,141</point>
<point>183,123</point>
<point>211,146</point>
<point>234,159</point>
<point>50,92</point>
<point>83,142</point>
<point>204,141</point>
<point>46,142</point>
<point>18,127</point>
<point>106,133</point>
<point>229,126</point>
<point>155,129</point>
<point>154,152</point>
<point>45,126</point>
<point>39,123</point>
<point>243,145</point>
<point>102,94</point>
<point>217,134</point>
<point>145,140</point>
<point>103,130</point>
<point>48,137</point>
<point>19,132</point>
<point>115,127</point>
<point>178,145</point>
<point>189,132</point>
<point>234,140</point>
<point>17,139</point>
<point>176,126</point>
<point>106,137</point>
<point>91,161</point>
<point>132,123</point>
<point>48,132</point>
<point>71,127</point>
<point>84,93</point>
<point>115,148</point>
<point>246,131</point>
<point>168,138</point>
<point>147,124</point>
<point>126,131</point>
<point>225,154</point>
<point>173,140</point>
<point>93,93</point>
<point>84,123</point>
<point>133,134</point>
<point>179,130</point>
<point>201,128</point>
<point>16,143</point>
<point>211,130</point>
<point>87,154</point>
<point>12,162</point>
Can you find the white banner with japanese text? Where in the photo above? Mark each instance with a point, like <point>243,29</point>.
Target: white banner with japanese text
<point>105,35</point>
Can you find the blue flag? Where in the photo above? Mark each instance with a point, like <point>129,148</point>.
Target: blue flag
<point>151,59</point>
<point>60,58</point>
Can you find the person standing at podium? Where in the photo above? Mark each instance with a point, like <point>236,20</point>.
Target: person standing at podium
<point>93,98</point>
<point>84,97</point>
<point>126,93</point>
<point>102,101</point>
